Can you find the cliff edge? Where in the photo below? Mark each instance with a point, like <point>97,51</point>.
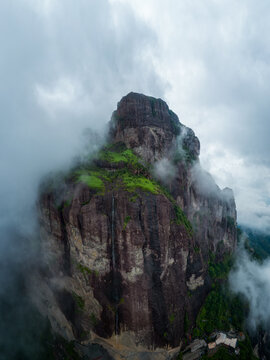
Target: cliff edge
<point>127,237</point>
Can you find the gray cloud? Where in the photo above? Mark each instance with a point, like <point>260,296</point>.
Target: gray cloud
<point>63,67</point>
<point>66,67</point>
<point>215,56</point>
<point>252,280</point>
<point>164,170</point>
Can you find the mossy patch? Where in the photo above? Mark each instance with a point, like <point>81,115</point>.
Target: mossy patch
<point>121,301</point>
<point>94,177</point>
<point>78,301</point>
<point>126,221</point>
<point>86,271</point>
<point>115,155</point>
<point>133,178</point>
<point>172,318</point>
<point>67,203</point>
<point>180,216</point>
<point>132,182</point>
<point>92,181</point>
<point>219,270</point>
<point>93,319</point>
<point>182,219</point>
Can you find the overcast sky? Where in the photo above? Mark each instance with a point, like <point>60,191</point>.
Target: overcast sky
<point>64,65</point>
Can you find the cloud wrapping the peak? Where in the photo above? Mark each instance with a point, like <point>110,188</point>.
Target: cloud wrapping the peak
<point>215,55</point>
<point>64,68</point>
<point>66,65</point>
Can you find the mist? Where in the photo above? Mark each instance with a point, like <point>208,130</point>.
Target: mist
<point>63,68</point>
<point>251,279</point>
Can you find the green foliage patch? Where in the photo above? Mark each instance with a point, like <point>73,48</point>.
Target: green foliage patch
<point>220,311</point>
<point>93,319</point>
<point>257,243</point>
<point>126,221</point>
<point>135,176</point>
<point>92,181</point>
<point>132,182</point>
<point>182,219</point>
<point>219,270</point>
<point>94,177</point>
<point>85,270</point>
<point>172,318</point>
<point>124,155</point>
<point>78,300</point>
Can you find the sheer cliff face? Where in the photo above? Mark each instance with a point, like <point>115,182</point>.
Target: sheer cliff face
<point>149,127</point>
<point>122,254</point>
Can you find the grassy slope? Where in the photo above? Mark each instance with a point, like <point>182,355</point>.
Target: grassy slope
<point>129,174</point>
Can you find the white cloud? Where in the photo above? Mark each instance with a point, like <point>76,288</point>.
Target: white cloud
<point>66,63</point>
<point>252,280</point>
<point>63,69</point>
<point>250,181</point>
<point>215,57</point>
<point>65,95</point>
<point>70,65</point>
<point>42,7</point>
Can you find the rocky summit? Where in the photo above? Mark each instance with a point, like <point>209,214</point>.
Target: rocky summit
<point>127,237</point>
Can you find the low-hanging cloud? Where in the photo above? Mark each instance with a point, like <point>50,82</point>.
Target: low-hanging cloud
<point>252,280</point>
<point>64,66</point>
<point>63,69</point>
<point>204,182</point>
<point>215,56</point>
<point>164,170</point>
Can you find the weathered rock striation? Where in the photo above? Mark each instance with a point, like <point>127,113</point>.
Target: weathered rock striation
<point>126,251</point>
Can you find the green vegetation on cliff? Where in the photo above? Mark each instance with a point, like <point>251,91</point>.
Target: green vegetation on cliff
<point>256,243</point>
<point>132,176</point>
<point>93,181</point>
<point>223,311</point>
<point>182,219</point>
<point>220,311</point>
<point>117,153</point>
<point>78,301</point>
<point>219,270</point>
<point>126,221</point>
<point>116,167</point>
<point>132,182</point>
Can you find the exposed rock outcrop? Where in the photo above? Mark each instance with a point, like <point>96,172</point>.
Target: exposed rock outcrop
<point>123,256</point>
<point>150,128</point>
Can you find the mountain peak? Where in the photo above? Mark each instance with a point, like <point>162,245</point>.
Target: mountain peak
<point>136,110</point>
<point>149,127</point>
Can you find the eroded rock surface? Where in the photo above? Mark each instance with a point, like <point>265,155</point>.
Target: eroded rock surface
<point>119,253</point>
